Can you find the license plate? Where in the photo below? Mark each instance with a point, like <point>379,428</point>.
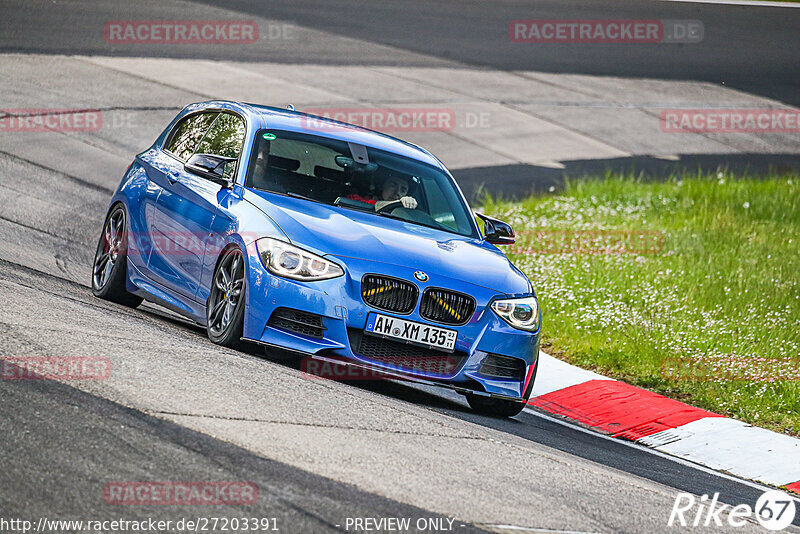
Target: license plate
<point>411,332</point>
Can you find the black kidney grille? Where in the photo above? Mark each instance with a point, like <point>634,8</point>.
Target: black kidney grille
<point>496,365</point>
<point>448,307</point>
<point>298,322</point>
<point>407,358</point>
<point>389,294</point>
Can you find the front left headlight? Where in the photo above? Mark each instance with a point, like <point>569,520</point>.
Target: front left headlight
<point>282,259</point>
<point>522,313</point>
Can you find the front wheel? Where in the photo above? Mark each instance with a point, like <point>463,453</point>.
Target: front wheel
<point>494,407</point>
<point>225,309</point>
<point>109,269</point>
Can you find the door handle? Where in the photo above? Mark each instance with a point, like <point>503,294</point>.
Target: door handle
<point>172,177</point>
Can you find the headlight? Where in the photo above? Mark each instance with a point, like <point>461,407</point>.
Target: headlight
<point>520,313</point>
<point>289,261</point>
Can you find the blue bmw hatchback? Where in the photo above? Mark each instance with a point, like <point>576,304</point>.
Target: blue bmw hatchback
<point>325,239</point>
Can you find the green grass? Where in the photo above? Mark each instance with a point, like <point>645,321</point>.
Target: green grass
<point>711,317</point>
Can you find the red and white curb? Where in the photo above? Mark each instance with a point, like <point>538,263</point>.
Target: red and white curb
<point>627,412</point>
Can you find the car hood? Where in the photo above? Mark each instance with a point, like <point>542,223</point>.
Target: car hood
<point>333,231</point>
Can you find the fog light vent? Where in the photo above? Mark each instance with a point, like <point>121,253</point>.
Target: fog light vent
<point>297,322</point>
<point>498,366</point>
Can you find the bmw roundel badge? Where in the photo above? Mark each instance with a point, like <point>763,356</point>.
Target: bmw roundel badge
<point>422,277</point>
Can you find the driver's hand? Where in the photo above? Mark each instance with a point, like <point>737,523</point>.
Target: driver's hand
<point>409,202</point>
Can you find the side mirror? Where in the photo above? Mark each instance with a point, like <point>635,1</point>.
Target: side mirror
<point>496,231</point>
<point>212,167</point>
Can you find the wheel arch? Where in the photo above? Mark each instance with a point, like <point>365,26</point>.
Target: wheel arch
<point>231,242</point>
<point>224,336</point>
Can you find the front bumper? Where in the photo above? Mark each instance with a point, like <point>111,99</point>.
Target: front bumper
<point>344,315</point>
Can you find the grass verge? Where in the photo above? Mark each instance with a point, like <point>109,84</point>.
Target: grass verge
<point>688,287</point>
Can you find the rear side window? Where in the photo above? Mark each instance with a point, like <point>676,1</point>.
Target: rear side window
<point>188,133</point>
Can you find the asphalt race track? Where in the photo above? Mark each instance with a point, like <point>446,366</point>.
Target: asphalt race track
<point>754,52</point>
<point>178,408</point>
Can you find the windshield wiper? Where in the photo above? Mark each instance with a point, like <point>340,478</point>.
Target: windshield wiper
<point>298,195</point>
<point>369,208</point>
<point>356,208</point>
<point>353,205</point>
<point>420,223</point>
<point>387,214</point>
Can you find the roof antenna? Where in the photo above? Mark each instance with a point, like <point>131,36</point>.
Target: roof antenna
<point>290,107</point>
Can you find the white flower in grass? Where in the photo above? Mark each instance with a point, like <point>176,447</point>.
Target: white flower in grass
<point>719,174</point>
<point>746,205</point>
<point>721,180</point>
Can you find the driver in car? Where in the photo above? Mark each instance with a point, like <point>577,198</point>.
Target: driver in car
<point>394,191</point>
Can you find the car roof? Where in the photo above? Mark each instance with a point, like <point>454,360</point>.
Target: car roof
<point>297,121</point>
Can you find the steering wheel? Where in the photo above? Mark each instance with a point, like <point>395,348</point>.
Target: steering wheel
<point>390,206</point>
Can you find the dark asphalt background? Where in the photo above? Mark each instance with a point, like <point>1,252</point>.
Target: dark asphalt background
<point>754,49</point>
<point>61,446</point>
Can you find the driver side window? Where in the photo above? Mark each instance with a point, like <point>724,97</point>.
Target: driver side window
<point>225,138</point>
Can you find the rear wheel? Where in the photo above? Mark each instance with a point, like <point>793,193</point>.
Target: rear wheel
<point>225,310</point>
<point>109,270</point>
<point>494,407</point>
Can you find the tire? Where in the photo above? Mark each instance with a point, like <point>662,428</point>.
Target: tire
<point>494,407</point>
<point>110,266</point>
<point>226,300</point>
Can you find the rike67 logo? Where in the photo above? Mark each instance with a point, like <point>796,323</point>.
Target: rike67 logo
<point>774,510</point>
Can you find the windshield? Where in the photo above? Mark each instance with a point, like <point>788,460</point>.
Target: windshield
<point>353,176</point>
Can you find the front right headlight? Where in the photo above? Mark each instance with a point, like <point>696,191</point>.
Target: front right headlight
<point>521,313</point>
<point>282,259</point>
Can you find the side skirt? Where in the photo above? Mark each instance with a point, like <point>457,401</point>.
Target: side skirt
<point>152,291</point>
